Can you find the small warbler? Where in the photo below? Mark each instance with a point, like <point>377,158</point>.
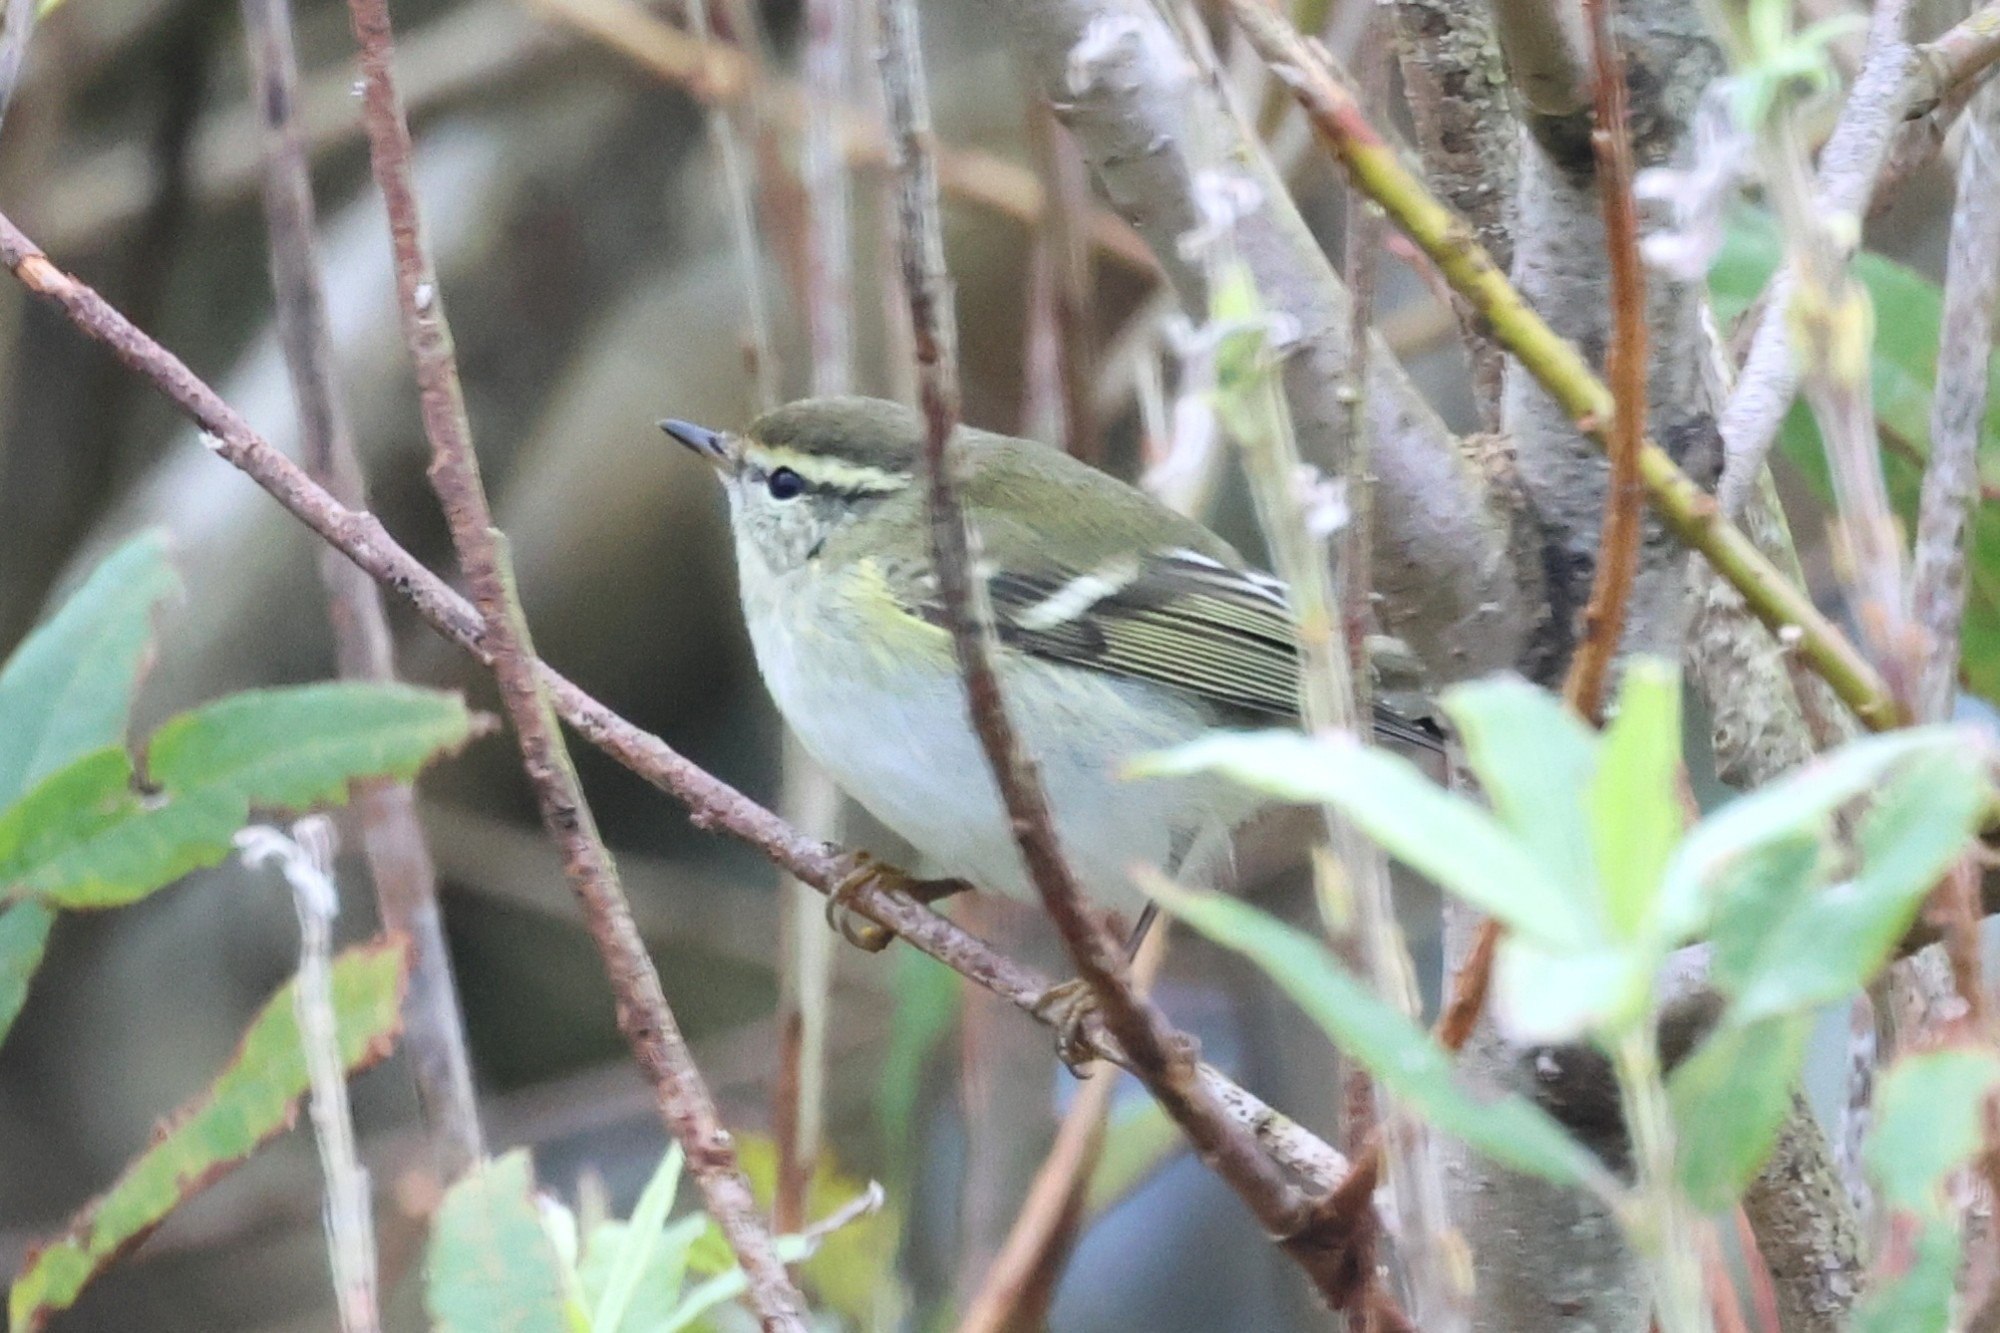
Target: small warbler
<point>1122,627</point>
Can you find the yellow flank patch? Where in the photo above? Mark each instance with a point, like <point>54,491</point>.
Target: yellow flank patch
<point>836,474</point>
<point>895,632</point>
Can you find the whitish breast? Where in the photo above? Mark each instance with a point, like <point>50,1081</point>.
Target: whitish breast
<point>895,736</point>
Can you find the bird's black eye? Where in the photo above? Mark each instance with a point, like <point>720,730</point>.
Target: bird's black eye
<point>785,484</point>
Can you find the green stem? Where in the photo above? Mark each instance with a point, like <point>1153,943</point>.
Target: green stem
<point>1660,1223</point>
<point>1688,510</point>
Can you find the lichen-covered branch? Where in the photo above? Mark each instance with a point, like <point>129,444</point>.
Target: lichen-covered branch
<point>1958,408</point>
<point>1548,55</point>
<point>1576,396</point>
<point>1456,87</point>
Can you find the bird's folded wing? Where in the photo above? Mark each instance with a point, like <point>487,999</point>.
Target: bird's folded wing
<point>1176,618</point>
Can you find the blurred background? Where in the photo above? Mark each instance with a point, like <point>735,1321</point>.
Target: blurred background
<point>573,198</point>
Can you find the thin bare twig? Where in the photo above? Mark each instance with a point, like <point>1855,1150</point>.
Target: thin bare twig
<point>717,73</point>
<point>399,859</point>
<point>17,25</point>
<point>1725,1306</point>
<point>1896,82</point>
<point>1062,315</point>
<point>805,996</point>
<point>1361,1115</point>
<point>1455,1023</point>
<point>684,1099</point>
<point>305,858</point>
<point>1351,883</point>
<point>1960,56</point>
<point>1049,1214</point>
<point>1624,498</point>
<point>726,137</point>
<point>1359,259</point>
<point>1950,489</point>
<point>1160,1057</point>
<point>1041,412</point>
<point>806,795</point>
<point>826,291</point>
<point>1958,408</point>
<point>933,325</point>
<point>1763,1297</point>
<point>830,44</point>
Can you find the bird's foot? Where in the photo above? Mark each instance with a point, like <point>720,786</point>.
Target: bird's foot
<point>1068,1007</point>
<point>866,872</point>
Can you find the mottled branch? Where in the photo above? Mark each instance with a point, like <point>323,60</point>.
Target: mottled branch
<point>648,1023</point>
<point>399,859</point>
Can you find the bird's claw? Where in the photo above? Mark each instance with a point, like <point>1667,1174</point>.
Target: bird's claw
<point>868,935</point>
<point>1068,1007</point>
<point>864,934</point>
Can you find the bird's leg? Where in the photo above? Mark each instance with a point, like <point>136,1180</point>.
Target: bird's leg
<point>1147,915</point>
<point>1069,1005</point>
<point>873,936</point>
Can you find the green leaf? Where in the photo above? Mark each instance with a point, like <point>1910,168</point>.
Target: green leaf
<point>492,1266</point>
<point>1534,760</point>
<point>68,688</point>
<point>1833,941</point>
<point>84,837</point>
<point>302,745</point>
<point>73,808</point>
<point>1753,895</point>
<point>1914,1285</point>
<point>657,1285</point>
<point>1406,1059</point>
<point>1923,821</point>
<point>728,1285</point>
<point>639,1244</point>
<point>1930,1110</point>
<point>1635,805</point>
<point>1443,837</point>
<point>1799,803</point>
<point>851,1272</point>
<point>254,1097</point>
<point>1730,1098</point>
<point>1539,996</point>
<point>1928,1115</point>
<point>1903,369</point>
<point>24,933</point>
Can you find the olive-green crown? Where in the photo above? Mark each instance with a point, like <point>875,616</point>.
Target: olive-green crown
<point>865,443</point>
